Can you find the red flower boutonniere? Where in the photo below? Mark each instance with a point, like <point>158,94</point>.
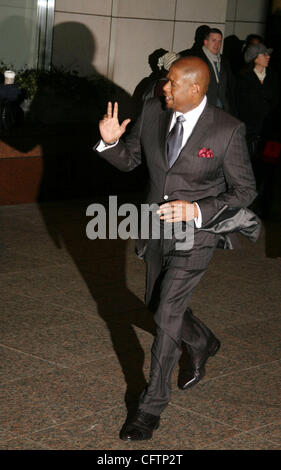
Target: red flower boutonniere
<point>205,153</point>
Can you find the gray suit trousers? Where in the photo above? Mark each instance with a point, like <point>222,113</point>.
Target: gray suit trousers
<point>174,275</point>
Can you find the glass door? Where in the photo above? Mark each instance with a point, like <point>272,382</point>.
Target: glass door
<point>26,33</point>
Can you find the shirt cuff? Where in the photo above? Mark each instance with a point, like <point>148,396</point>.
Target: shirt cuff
<point>103,146</point>
<point>198,220</point>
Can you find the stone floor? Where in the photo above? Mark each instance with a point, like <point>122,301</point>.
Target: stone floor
<point>75,340</point>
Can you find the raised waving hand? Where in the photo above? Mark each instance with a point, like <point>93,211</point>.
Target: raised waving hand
<point>110,129</point>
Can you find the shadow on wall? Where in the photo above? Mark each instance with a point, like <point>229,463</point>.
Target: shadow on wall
<point>74,48</point>
<point>63,119</point>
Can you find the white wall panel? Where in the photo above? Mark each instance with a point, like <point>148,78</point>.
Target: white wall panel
<point>246,17</point>
<point>201,10</point>
<point>184,35</point>
<point>156,9</point>
<point>229,28</point>
<point>241,30</point>
<point>249,10</point>
<point>132,42</point>
<point>231,10</point>
<point>129,30</point>
<point>81,42</point>
<point>94,7</point>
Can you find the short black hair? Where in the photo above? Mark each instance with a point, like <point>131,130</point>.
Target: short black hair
<point>213,30</point>
<point>252,37</point>
<point>201,33</point>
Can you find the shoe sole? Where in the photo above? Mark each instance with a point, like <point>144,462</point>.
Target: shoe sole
<point>128,439</point>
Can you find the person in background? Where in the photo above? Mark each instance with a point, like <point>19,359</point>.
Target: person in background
<point>11,97</point>
<point>232,53</point>
<point>221,92</point>
<point>155,87</point>
<point>147,82</point>
<point>257,99</point>
<point>164,63</point>
<point>251,39</point>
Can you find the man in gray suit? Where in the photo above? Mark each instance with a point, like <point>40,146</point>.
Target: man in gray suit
<point>198,165</point>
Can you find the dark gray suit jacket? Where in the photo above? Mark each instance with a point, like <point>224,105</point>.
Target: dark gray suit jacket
<point>225,179</point>
<point>222,184</point>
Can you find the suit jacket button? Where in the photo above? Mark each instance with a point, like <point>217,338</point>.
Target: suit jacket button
<point>166,197</point>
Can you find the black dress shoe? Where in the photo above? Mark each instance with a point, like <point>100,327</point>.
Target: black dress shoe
<point>196,368</point>
<point>140,428</point>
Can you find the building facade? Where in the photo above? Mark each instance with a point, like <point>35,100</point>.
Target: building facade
<point>114,37</point>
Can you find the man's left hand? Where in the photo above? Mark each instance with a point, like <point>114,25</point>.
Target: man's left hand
<point>178,211</point>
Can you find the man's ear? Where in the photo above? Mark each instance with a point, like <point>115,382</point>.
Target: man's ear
<point>195,89</point>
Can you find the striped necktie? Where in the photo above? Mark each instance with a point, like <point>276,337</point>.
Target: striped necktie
<point>174,140</point>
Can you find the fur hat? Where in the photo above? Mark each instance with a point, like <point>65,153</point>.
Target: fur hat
<point>254,50</point>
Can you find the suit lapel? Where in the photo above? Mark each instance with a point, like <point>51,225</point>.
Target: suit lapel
<point>198,133</point>
<point>164,127</point>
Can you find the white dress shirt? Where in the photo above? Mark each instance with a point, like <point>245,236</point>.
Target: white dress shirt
<point>191,118</point>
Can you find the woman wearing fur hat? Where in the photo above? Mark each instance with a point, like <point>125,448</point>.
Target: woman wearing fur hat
<point>258,94</point>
